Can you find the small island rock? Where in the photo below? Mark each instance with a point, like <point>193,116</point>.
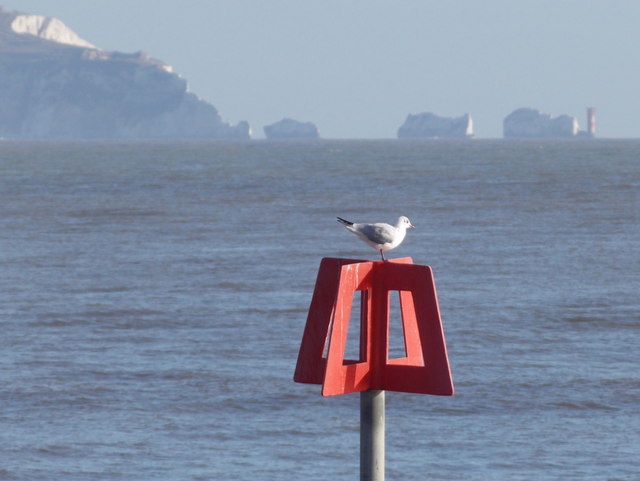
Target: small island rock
<point>291,129</point>
<point>526,123</point>
<point>430,126</point>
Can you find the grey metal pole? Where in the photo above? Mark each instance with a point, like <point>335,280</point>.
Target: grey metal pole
<point>372,435</point>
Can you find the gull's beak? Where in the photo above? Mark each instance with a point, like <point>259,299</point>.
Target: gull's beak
<point>411,226</point>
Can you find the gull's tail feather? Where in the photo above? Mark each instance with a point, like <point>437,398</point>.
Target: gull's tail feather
<point>344,222</point>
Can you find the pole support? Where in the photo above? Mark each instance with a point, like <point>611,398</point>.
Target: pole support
<point>372,407</point>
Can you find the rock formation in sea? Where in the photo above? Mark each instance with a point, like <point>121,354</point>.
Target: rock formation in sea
<point>529,123</point>
<point>428,125</point>
<point>291,129</point>
<point>55,85</point>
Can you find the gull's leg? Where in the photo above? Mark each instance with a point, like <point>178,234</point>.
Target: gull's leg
<point>382,254</point>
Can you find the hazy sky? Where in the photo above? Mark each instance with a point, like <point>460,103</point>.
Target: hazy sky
<point>357,68</point>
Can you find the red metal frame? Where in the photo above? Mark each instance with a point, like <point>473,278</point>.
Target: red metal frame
<point>425,367</point>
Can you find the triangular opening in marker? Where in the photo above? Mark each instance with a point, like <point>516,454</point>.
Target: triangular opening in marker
<point>354,349</point>
<point>396,335</point>
<point>404,337</point>
<point>327,339</point>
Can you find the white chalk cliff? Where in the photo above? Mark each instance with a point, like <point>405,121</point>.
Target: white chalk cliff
<point>428,125</point>
<point>533,124</point>
<point>47,28</point>
<point>56,85</point>
<point>291,129</point>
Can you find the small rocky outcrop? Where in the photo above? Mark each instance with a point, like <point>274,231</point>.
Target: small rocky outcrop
<point>431,126</point>
<point>526,123</point>
<point>291,129</point>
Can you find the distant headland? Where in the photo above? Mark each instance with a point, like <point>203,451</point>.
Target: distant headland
<point>56,85</point>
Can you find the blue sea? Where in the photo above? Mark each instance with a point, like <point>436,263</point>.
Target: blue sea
<point>154,296</point>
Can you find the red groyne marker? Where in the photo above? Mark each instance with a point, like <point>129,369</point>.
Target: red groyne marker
<point>424,368</point>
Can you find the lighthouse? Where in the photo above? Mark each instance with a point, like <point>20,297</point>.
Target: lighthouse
<point>591,122</point>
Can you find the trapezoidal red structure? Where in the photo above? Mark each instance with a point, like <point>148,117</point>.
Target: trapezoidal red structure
<point>425,366</point>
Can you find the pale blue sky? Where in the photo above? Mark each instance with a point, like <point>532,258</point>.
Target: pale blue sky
<point>357,68</point>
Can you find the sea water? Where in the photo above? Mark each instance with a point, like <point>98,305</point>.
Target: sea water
<point>154,297</point>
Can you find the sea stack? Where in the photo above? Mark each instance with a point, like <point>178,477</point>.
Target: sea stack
<point>291,129</point>
<point>431,126</point>
<point>526,123</point>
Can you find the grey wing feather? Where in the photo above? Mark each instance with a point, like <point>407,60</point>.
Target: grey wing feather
<point>380,234</point>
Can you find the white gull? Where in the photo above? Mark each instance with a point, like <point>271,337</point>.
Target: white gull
<point>380,236</point>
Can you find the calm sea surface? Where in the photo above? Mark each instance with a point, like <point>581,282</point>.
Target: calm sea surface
<point>153,297</point>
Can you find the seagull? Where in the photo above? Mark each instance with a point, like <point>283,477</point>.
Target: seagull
<point>380,236</point>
